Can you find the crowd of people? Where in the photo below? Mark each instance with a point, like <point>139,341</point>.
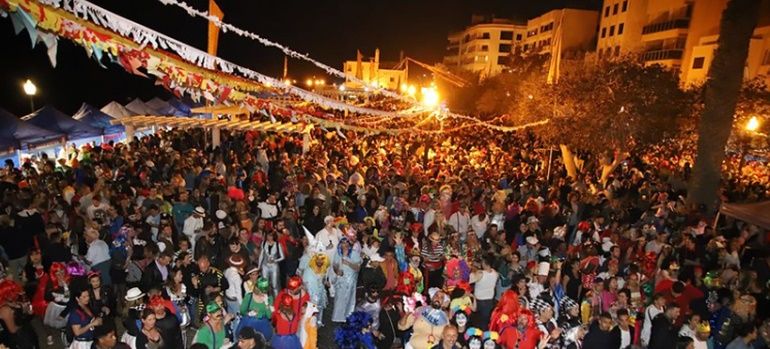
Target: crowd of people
<point>462,241</point>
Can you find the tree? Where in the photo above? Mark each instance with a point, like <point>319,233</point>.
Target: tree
<point>721,96</point>
<point>608,109</point>
<point>503,93</point>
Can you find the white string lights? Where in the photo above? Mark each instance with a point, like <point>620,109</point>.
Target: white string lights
<point>144,36</point>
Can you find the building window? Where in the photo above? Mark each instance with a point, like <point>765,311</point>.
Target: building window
<point>612,30</point>
<point>766,58</point>
<point>484,48</point>
<point>526,47</point>
<point>698,62</point>
<point>615,9</point>
<point>606,11</point>
<point>506,35</point>
<point>620,28</point>
<point>485,35</point>
<point>518,37</point>
<point>604,32</point>
<point>617,51</point>
<point>625,5</point>
<point>392,79</point>
<point>502,60</point>
<point>504,48</point>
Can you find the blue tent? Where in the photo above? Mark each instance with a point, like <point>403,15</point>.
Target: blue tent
<point>96,118</point>
<point>182,106</point>
<point>164,108</point>
<point>51,119</point>
<point>15,133</point>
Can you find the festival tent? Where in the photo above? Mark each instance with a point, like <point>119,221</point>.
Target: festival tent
<point>139,108</point>
<point>98,119</point>
<point>755,213</point>
<point>116,110</point>
<point>164,108</point>
<point>17,134</point>
<point>52,119</point>
<point>182,106</point>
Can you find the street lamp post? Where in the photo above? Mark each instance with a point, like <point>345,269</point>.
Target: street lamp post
<point>751,128</point>
<point>30,90</point>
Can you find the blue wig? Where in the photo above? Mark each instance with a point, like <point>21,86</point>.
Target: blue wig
<point>351,335</point>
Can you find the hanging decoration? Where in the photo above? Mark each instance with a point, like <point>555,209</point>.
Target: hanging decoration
<point>136,49</point>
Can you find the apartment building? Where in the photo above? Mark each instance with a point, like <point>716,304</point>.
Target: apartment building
<point>577,32</point>
<point>485,46</point>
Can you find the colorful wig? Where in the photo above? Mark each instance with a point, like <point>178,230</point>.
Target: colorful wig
<point>9,291</point>
<point>509,306</point>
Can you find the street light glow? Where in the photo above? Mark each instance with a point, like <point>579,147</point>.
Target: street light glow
<point>29,88</point>
<point>342,87</point>
<point>430,97</point>
<point>309,82</point>
<point>753,124</point>
<point>411,90</point>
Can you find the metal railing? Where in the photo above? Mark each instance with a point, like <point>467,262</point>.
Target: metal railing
<point>659,55</point>
<point>682,23</point>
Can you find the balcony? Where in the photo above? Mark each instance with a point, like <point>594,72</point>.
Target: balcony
<point>682,23</point>
<point>661,55</point>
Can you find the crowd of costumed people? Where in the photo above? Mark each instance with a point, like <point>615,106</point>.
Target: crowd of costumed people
<point>456,241</point>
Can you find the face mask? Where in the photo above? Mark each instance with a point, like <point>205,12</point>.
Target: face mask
<point>474,344</point>
<point>461,320</point>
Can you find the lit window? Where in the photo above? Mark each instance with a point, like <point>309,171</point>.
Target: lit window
<point>698,62</point>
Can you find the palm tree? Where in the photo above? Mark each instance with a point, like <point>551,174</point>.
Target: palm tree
<point>721,96</point>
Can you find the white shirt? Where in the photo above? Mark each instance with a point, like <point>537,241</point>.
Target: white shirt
<point>428,219</point>
<point>479,226</point>
<point>92,210</point>
<point>235,282</point>
<point>461,222</point>
<point>485,284</point>
<point>192,227</point>
<point>649,314</point>
<point>625,338</point>
<point>98,252</point>
<point>268,210</point>
<point>326,237</point>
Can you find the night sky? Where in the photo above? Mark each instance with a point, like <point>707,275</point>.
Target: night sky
<point>329,31</point>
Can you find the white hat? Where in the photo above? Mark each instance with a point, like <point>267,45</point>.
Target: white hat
<point>328,219</point>
<point>199,210</point>
<point>161,246</point>
<point>221,214</point>
<point>134,294</point>
<point>532,240</point>
<point>543,268</point>
<point>532,219</point>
